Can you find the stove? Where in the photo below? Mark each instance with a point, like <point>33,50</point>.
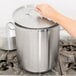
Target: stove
<point>68,56</point>
<point>66,62</point>
<point>9,65</point>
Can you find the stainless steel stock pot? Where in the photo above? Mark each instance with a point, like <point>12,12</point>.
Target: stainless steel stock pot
<point>36,40</point>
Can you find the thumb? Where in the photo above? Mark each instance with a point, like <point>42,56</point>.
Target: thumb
<point>38,9</point>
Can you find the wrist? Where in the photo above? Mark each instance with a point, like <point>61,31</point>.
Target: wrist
<point>55,16</point>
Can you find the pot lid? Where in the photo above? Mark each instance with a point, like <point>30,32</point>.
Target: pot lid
<point>28,17</point>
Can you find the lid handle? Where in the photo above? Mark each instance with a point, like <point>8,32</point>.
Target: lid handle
<point>29,9</point>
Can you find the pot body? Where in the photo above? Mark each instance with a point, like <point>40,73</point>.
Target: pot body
<point>8,37</point>
<point>8,43</point>
<point>37,48</point>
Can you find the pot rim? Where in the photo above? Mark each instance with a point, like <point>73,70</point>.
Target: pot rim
<point>19,25</point>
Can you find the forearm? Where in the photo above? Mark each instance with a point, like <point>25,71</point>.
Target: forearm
<point>67,23</point>
<point>49,12</point>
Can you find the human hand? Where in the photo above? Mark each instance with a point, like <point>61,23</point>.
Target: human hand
<point>46,11</point>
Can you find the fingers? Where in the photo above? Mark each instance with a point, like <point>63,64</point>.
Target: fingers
<point>38,9</point>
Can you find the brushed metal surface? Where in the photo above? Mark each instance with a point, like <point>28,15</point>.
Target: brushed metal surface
<point>8,43</point>
<point>36,40</point>
<point>37,49</point>
<point>28,17</point>
<point>8,37</point>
